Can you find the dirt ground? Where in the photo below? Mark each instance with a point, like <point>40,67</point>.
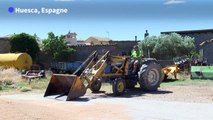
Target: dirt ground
<point>100,106</point>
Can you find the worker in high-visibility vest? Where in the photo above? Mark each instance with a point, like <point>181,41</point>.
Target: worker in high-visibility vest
<point>137,55</point>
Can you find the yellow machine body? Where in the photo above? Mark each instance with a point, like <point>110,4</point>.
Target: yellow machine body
<point>171,71</point>
<point>74,86</point>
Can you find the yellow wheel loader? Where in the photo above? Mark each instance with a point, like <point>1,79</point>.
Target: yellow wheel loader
<point>114,69</point>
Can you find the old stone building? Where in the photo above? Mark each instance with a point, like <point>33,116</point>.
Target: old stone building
<point>4,45</point>
<point>200,36</point>
<point>71,39</point>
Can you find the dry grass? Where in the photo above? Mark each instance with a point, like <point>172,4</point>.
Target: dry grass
<point>10,76</point>
<point>10,79</point>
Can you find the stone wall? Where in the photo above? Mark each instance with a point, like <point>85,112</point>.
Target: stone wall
<point>44,60</point>
<point>4,45</point>
<point>116,48</point>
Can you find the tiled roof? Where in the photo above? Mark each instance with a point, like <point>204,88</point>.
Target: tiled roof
<point>101,38</point>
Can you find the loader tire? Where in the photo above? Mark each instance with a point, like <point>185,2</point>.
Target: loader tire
<point>150,76</point>
<point>130,84</point>
<point>118,86</point>
<point>96,85</point>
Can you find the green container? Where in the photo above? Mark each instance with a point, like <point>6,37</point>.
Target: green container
<point>201,72</point>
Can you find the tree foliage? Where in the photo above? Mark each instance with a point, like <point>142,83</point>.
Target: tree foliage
<point>24,43</point>
<point>56,47</point>
<point>168,46</point>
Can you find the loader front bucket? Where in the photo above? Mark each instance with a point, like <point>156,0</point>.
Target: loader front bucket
<point>65,85</point>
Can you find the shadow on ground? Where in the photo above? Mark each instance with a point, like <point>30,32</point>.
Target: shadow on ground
<point>129,93</point>
<point>169,80</point>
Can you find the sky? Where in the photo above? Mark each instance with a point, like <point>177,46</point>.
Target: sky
<point>117,19</point>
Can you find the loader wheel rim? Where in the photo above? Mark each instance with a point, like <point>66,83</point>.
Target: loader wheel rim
<point>153,77</point>
<point>120,87</point>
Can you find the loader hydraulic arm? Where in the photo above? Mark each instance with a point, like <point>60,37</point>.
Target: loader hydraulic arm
<point>91,73</point>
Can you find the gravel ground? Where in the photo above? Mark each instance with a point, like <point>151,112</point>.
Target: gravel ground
<point>168,103</point>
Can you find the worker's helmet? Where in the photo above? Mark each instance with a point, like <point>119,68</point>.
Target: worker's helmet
<point>136,47</point>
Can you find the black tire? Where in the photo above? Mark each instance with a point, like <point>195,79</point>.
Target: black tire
<point>96,85</point>
<point>118,87</point>
<point>150,76</point>
<point>130,84</point>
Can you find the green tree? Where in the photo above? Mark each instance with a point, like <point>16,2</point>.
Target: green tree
<point>168,46</point>
<point>56,47</point>
<point>24,43</point>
